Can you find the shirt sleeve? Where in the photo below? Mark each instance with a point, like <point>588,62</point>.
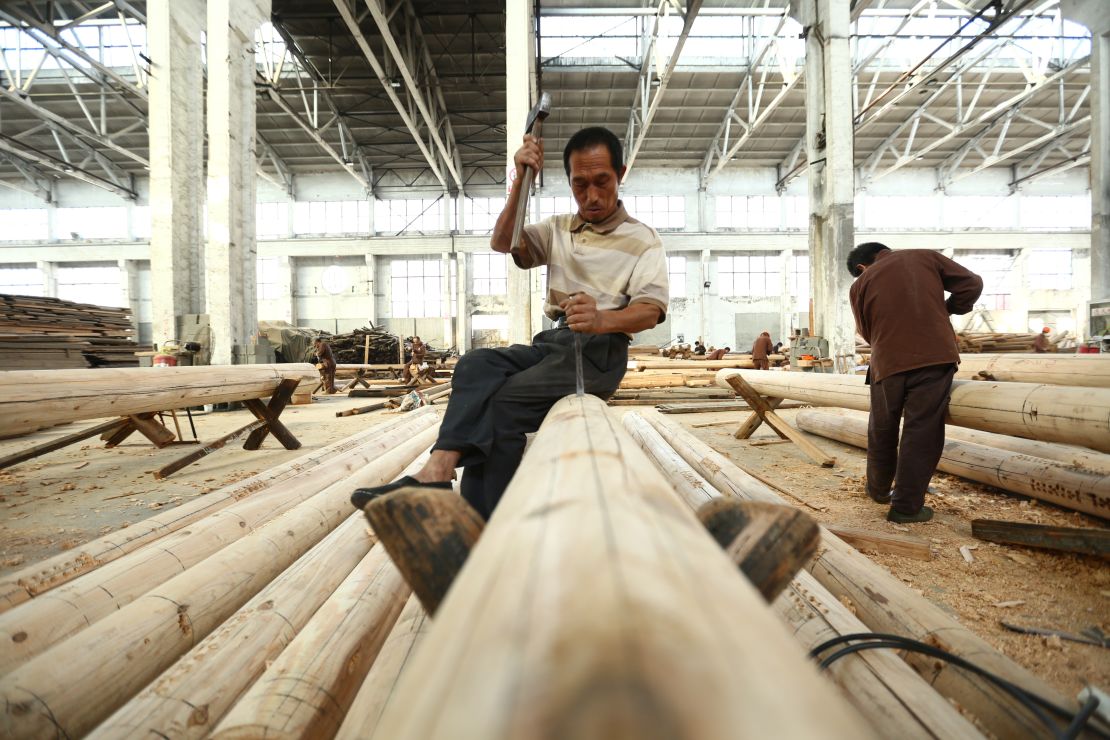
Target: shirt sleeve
<point>537,240</point>
<point>964,285</point>
<point>649,282</point>
<point>857,311</point>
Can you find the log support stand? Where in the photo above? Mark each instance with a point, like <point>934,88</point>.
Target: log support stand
<point>763,410</point>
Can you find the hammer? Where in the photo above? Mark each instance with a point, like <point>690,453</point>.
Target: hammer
<point>532,125</point>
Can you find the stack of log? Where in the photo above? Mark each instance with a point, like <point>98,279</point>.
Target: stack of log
<point>995,342</point>
<point>40,333</point>
<point>351,348</point>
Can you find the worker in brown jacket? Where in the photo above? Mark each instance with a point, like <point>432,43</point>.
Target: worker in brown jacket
<point>900,309</point>
<point>761,350</point>
<point>1040,342</point>
<point>325,359</point>
<point>412,367</point>
<point>718,354</point>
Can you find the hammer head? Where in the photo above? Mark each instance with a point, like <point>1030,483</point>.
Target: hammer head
<point>538,113</point>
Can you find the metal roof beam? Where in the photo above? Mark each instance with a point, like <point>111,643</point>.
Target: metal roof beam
<point>36,182</point>
<point>267,153</point>
<point>646,102</point>
<point>415,66</point>
<point>347,12</point>
<point>749,96</point>
<point>65,167</point>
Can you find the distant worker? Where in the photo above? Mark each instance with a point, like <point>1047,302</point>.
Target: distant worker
<point>1041,343</point>
<point>900,310</point>
<point>718,354</point>
<point>761,350</point>
<point>699,348</point>
<point>325,363</point>
<point>412,367</point>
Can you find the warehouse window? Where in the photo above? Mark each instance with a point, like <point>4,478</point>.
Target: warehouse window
<point>980,212</point>
<point>480,214</point>
<point>25,224</point>
<point>269,279</point>
<point>676,274</point>
<point>994,268</point>
<point>490,276</point>
<point>404,215</point>
<point>658,211</point>
<point>331,217</point>
<point>97,285</point>
<point>272,219</point>
<point>21,281</point>
<point>799,281</point>
<point>1056,212</point>
<point>748,211</point>
<point>1049,269</point>
<point>557,206</point>
<point>109,222</point>
<point>750,275</point>
<point>417,288</point>
<point>898,212</point>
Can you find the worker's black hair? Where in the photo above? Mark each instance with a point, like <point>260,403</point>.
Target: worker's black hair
<point>864,254</point>
<point>593,136</point>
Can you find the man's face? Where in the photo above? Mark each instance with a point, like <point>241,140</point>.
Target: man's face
<point>594,183</point>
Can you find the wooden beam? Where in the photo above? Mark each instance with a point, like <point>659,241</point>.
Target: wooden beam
<point>1091,371</point>
<point>270,413</point>
<point>1062,539</point>
<point>876,682</point>
<point>127,649</point>
<point>885,542</point>
<point>1045,412</point>
<point>885,604</point>
<point>308,689</point>
<point>326,465</point>
<point>31,453</point>
<point>428,533</point>
<point>1041,479</point>
<point>189,699</point>
<point>167,470</point>
<point>596,605</point>
<point>33,399</point>
<point>361,722</point>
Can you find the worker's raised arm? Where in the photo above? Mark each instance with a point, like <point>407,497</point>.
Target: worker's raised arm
<point>530,154</point>
<point>964,285</point>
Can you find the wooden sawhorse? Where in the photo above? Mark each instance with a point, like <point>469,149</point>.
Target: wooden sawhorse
<point>763,410</point>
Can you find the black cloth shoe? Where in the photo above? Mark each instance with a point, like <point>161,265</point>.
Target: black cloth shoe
<point>363,496</point>
<point>899,517</point>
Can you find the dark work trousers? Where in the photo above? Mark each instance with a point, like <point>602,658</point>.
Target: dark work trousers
<point>501,394</point>
<point>919,399</point>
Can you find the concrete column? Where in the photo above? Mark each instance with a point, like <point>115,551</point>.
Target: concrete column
<point>372,285</point>
<point>460,213</point>
<point>1100,172</point>
<point>176,133</point>
<point>786,304</point>
<point>519,94</point>
<point>449,289</point>
<point>49,278</point>
<point>462,320</point>
<point>705,298</point>
<point>231,255</point>
<point>829,149</point>
<point>131,292</point>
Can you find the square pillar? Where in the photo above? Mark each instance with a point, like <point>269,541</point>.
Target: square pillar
<point>1100,171</point>
<point>49,278</point>
<point>829,150</point>
<point>231,255</point>
<point>176,131</point>
<point>462,318</point>
<point>519,94</point>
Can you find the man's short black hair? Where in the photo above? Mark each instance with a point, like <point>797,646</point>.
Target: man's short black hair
<point>593,136</point>
<point>864,254</point>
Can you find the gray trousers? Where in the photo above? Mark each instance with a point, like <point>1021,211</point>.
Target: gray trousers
<point>919,400</point>
<point>501,394</point>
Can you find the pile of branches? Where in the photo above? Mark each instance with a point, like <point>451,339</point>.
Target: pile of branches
<point>349,348</point>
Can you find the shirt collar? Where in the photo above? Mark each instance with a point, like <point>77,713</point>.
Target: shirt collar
<point>607,226</point>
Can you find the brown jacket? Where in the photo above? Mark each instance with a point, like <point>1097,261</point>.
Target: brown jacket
<point>762,347</point>
<point>326,357</point>
<point>901,311</point>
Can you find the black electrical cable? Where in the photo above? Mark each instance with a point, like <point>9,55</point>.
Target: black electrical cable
<point>1077,722</point>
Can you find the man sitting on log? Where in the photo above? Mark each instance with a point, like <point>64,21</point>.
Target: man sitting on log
<point>900,310</point>
<point>606,280</point>
<point>413,366</point>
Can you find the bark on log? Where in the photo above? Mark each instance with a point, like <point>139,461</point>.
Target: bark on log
<point>877,684</point>
<point>885,604</point>
<point>54,616</point>
<point>361,722</point>
<point>1042,479</point>
<point>306,692</point>
<point>1045,412</point>
<point>190,698</point>
<point>1060,539</point>
<point>1091,371</point>
<point>74,685</point>
<point>33,399</point>
<point>596,605</point>
<point>325,465</point>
